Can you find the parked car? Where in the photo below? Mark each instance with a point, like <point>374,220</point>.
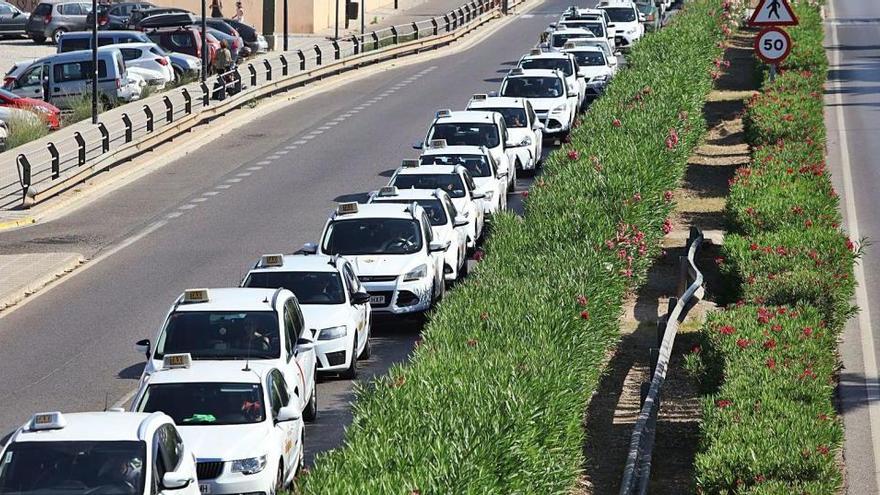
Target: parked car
<point>47,111</point>
<point>115,16</point>
<point>171,19</point>
<point>653,15</point>
<point>139,14</point>
<point>50,19</point>
<point>62,78</point>
<point>183,65</point>
<point>252,39</point>
<point>148,57</point>
<point>11,115</point>
<point>224,31</point>
<point>186,40</point>
<point>235,43</point>
<point>16,69</point>
<point>4,134</point>
<point>12,20</point>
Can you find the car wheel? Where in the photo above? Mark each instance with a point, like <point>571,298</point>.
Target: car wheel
<point>178,74</point>
<point>350,373</point>
<point>464,270</point>
<point>368,349</point>
<point>311,410</point>
<point>512,185</point>
<point>39,39</point>
<point>56,35</point>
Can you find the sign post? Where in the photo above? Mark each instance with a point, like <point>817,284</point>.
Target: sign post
<point>772,45</point>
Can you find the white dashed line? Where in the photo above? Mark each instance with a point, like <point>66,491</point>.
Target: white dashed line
<point>301,141</point>
<point>186,207</point>
<point>315,133</point>
<point>199,200</point>
<point>233,181</point>
<point>173,215</point>
<point>324,127</point>
<point>291,147</point>
<point>255,168</point>
<point>264,162</point>
<point>211,193</point>
<point>310,136</point>
<point>223,186</point>
<point>331,123</point>
<point>243,174</point>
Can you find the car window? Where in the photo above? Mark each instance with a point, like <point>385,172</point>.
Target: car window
<point>78,71</point>
<point>221,335</point>
<point>104,41</point>
<point>513,117</point>
<point>350,280</point>
<point>533,117</point>
<point>533,87</point>
<point>181,40</point>
<point>288,331</point>
<point>130,53</point>
<point>70,9</point>
<point>449,182</point>
<point>5,9</point>
<point>275,400</point>
<point>588,59</point>
<point>466,134</point>
<point>477,165</point>
<point>43,9</point>
<point>621,14</point>
<point>469,181</point>
<point>32,77</point>
<point>426,228</point>
<point>169,444</point>
<point>562,64</point>
<point>432,208</point>
<point>366,236</point>
<point>450,207</point>
<point>210,403</point>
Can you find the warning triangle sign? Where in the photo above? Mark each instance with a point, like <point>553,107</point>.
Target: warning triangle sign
<point>773,13</point>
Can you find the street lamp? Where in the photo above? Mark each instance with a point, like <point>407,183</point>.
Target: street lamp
<point>285,25</point>
<point>94,61</point>
<point>204,41</point>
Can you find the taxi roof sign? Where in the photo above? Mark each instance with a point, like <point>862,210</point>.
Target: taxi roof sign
<point>387,191</point>
<point>480,97</point>
<point>437,143</point>
<point>191,296</point>
<point>47,421</point>
<point>268,260</point>
<point>444,112</point>
<point>568,45</point>
<point>773,13</point>
<point>535,51</point>
<point>516,72</point>
<point>175,361</point>
<point>409,163</point>
<point>347,208</point>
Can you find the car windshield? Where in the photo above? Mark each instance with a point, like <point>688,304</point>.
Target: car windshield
<point>366,236</point>
<point>621,14</point>
<point>221,335</point>
<point>477,165</point>
<point>191,404</point>
<point>73,467</point>
<point>558,40</point>
<point>513,117</point>
<point>533,87</point>
<point>645,8</point>
<point>433,208</point>
<point>590,58</point>
<point>466,134</point>
<point>598,44</point>
<point>560,64</point>
<point>309,287</point>
<point>451,183</point>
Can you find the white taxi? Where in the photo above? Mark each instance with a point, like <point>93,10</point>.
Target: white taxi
<point>554,102</point>
<point>558,38</point>
<point>393,248</point>
<point>473,128</point>
<point>240,324</point>
<point>574,14</point>
<point>480,166</point>
<point>598,43</point>
<point>627,21</point>
<point>332,300</point>
<point>111,452</point>
<point>561,61</point>
<point>523,126</point>
<point>446,223</point>
<point>454,181</point>
<point>240,419</point>
<point>593,68</point>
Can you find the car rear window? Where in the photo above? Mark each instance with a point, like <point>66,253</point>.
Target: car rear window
<point>70,44</point>
<point>43,9</point>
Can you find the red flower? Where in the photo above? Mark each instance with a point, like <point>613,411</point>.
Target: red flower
<point>637,197</point>
<point>781,310</point>
<point>771,363</point>
<point>722,403</point>
<point>808,223</point>
<point>667,226</point>
<point>763,319</point>
<point>850,245</point>
<point>822,449</point>
<point>823,417</point>
<point>753,247</point>
<point>808,331</point>
<point>726,330</point>
<point>616,123</point>
<point>478,255</point>
<point>472,342</point>
<point>525,194</point>
<point>582,300</point>
<point>743,343</point>
<point>770,344</point>
<point>585,315</point>
<point>667,195</point>
<point>719,260</point>
<point>776,328</point>
<point>759,478</point>
<point>696,349</point>
<point>573,154</point>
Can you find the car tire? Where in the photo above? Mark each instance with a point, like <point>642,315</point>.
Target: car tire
<point>279,478</point>
<point>38,39</point>
<point>350,373</point>
<point>464,270</point>
<point>178,74</point>
<point>56,35</point>
<point>368,349</point>
<point>310,413</point>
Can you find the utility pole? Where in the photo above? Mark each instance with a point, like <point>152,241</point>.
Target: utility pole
<point>204,41</point>
<point>336,23</point>
<point>285,25</point>
<point>94,61</point>
<point>363,13</point>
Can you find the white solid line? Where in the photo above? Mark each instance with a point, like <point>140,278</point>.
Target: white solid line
<point>223,186</point>
<point>255,168</point>
<point>174,214</point>
<point>188,206</point>
<point>199,200</point>
<point>872,391</point>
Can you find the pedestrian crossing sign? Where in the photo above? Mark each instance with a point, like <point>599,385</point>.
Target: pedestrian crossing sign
<point>773,13</point>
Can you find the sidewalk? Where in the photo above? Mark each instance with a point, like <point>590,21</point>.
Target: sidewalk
<point>24,274</point>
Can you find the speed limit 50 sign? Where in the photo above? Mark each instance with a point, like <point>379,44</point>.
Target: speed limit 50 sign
<point>772,45</point>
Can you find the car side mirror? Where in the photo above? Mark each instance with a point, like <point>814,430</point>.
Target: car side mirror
<point>173,480</point>
<point>612,61</point>
<point>552,25</point>
<point>641,17</point>
<point>510,144</point>
<point>16,14</point>
<point>478,195</point>
<point>436,247</point>
<point>419,145</point>
<point>143,347</point>
<point>538,126</point>
<point>461,221</point>
<point>304,344</point>
<point>360,297</point>
<point>288,413</point>
<point>308,248</point>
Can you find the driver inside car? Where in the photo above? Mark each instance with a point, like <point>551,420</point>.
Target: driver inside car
<point>122,473</point>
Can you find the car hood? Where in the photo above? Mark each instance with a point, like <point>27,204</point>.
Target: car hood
<point>318,316</point>
<point>396,264</point>
<point>147,74</point>
<point>590,72</point>
<point>225,442</point>
<point>546,104</point>
<point>484,184</point>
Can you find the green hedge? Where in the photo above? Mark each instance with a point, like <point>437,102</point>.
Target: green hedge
<point>492,400</point>
<point>769,362</point>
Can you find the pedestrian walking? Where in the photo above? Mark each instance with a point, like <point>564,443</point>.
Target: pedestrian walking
<point>239,13</point>
<point>224,58</point>
<point>216,6</point>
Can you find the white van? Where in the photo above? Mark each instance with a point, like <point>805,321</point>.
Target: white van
<point>64,78</point>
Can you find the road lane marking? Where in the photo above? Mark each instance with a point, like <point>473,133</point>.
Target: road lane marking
<point>243,174</point>
<point>233,181</point>
<point>199,200</point>
<point>223,186</point>
<point>301,141</point>
<point>264,162</point>
<point>188,206</point>
<point>210,193</point>
<point>173,214</point>
<point>255,168</point>
<point>872,390</point>
<point>310,136</point>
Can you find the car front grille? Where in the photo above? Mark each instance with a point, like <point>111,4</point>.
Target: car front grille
<point>209,470</point>
<point>388,295</point>
<point>377,278</point>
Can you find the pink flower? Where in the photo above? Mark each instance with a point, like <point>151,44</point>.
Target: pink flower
<point>743,343</point>
<point>573,154</point>
<point>585,315</point>
<point>722,403</point>
<point>582,300</point>
<point>667,195</point>
<point>726,330</point>
<point>616,123</point>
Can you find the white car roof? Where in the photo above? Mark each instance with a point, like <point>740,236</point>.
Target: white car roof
<point>232,299</point>
<point>409,195</point>
<point>375,210</point>
<point>213,372</point>
<point>536,73</point>
<point>467,117</point>
<point>550,55</point>
<point>455,150</point>
<point>428,169</point>
<point>497,102</point>
<point>91,426</point>
<point>586,32</point>
<point>302,263</point>
<point>584,49</point>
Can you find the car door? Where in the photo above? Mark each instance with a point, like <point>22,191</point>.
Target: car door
<point>169,454</point>
<point>537,129</point>
<point>30,83</point>
<point>360,312</point>
<point>460,232</point>
<point>285,434</point>
<point>477,204</point>
<point>6,21</point>
<point>305,360</point>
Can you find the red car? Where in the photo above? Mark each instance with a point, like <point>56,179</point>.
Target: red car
<point>45,110</point>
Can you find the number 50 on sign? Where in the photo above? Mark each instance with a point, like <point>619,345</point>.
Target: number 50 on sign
<point>772,45</point>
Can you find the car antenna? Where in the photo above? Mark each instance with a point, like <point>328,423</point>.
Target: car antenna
<point>247,361</point>
<point>106,400</point>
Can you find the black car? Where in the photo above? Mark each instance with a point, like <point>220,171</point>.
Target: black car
<point>138,15</point>
<point>12,20</point>
<point>115,16</point>
<point>173,19</point>
<point>252,39</point>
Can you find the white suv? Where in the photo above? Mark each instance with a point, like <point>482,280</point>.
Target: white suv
<point>480,166</point>
<point>561,61</point>
<point>523,127</point>
<point>627,21</point>
<point>593,67</point>
<point>555,103</point>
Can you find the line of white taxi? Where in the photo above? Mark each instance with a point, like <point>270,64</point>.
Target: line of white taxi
<point>230,376</point>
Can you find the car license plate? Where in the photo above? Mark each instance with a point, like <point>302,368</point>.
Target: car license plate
<point>377,299</point>
<point>204,488</point>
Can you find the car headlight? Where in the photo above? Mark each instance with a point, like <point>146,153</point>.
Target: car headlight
<point>419,272</point>
<point>333,333</point>
<point>251,465</point>
<point>632,30</point>
<point>559,109</point>
<point>602,78</point>
<point>527,141</point>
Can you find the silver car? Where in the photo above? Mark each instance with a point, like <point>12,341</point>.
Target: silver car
<point>53,18</point>
<point>12,20</point>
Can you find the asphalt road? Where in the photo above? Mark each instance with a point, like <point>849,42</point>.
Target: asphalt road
<point>203,220</point>
<point>852,105</point>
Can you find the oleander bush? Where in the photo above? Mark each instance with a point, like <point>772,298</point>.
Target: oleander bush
<point>768,363</point>
<point>492,400</point>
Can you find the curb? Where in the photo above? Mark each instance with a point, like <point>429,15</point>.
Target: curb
<point>12,299</point>
<point>14,224</point>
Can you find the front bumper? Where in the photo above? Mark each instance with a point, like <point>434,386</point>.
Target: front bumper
<point>401,297</point>
<point>596,89</point>
<point>553,123</point>
<point>228,483</point>
<point>333,355</point>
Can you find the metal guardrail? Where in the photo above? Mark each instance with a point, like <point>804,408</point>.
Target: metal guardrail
<point>66,157</point>
<point>637,473</point>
